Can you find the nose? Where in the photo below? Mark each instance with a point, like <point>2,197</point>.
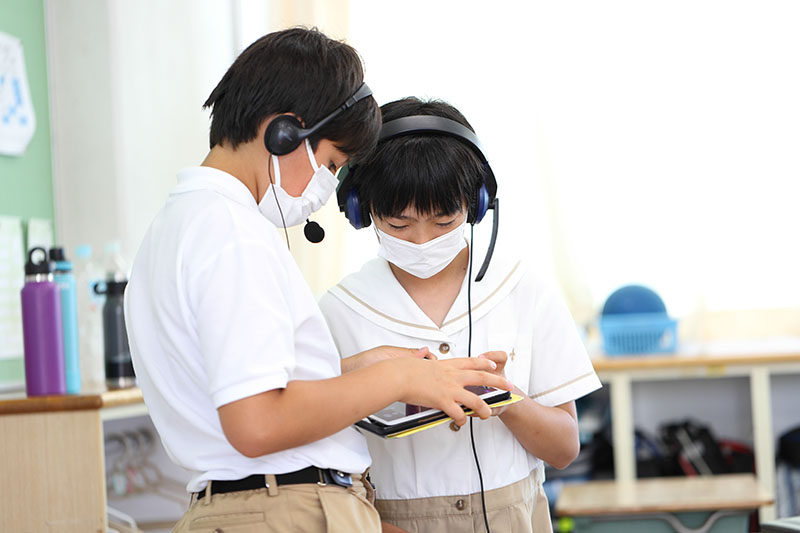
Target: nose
<point>422,236</point>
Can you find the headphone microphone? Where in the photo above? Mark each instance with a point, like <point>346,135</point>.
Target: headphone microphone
<point>313,232</point>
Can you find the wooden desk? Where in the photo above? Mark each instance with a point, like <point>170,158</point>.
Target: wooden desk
<point>612,503</point>
<point>52,470</point>
<point>752,362</point>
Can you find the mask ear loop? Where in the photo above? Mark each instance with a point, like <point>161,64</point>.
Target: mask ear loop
<point>311,157</point>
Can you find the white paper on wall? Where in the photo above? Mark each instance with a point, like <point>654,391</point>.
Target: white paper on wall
<point>12,278</point>
<point>40,233</point>
<point>17,119</point>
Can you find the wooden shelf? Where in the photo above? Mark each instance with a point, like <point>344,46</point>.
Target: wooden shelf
<point>654,362</point>
<point>55,444</point>
<point>18,403</point>
<point>757,361</point>
<point>671,494</point>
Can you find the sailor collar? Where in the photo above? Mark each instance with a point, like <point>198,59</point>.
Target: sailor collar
<point>392,308</point>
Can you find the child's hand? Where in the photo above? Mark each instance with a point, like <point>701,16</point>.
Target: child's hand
<point>383,353</point>
<point>441,384</point>
<point>390,352</point>
<point>499,359</point>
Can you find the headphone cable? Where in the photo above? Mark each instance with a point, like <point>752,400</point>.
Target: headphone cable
<point>275,194</point>
<point>469,354</point>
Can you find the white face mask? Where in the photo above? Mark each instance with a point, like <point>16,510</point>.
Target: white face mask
<point>296,209</point>
<point>426,259</point>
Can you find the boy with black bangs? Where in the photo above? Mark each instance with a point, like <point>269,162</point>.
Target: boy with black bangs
<point>423,185</point>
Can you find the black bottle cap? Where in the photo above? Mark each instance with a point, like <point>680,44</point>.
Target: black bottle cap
<point>116,287</point>
<point>37,267</point>
<point>57,254</point>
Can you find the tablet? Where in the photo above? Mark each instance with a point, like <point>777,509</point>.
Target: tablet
<point>398,416</point>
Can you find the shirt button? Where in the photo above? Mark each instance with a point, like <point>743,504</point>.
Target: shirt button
<point>454,426</point>
<point>444,347</point>
<point>460,505</point>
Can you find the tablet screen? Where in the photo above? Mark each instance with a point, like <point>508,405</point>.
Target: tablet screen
<point>399,412</point>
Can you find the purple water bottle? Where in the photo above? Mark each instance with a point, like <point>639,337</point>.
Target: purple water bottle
<point>41,328</point>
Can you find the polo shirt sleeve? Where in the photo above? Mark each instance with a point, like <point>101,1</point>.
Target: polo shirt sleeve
<point>244,321</point>
<point>561,370</point>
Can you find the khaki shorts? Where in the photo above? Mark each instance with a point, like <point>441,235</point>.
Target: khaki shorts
<point>286,508</point>
<point>519,508</point>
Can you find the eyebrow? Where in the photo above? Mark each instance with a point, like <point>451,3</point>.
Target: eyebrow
<point>406,217</point>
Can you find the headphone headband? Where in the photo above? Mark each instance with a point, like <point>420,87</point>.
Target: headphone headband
<point>415,124</point>
<point>430,124</point>
<point>347,197</point>
<point>361,93</point>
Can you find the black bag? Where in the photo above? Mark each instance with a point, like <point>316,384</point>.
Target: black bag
<point>789,447</point>
<point>693,447</point>
<point>651,459</point>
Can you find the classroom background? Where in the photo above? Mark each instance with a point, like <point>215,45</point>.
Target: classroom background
<point>634,143</point>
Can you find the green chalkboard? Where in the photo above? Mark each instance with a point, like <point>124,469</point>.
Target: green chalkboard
<point>26,183</point>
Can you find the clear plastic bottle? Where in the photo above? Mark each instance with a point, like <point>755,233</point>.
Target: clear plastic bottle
<point>115,266</point>
<point>90,320</point>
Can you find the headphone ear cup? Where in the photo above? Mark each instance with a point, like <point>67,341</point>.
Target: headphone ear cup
<point>283,135</point>
<point>353,210</point>
<point>481,205</point>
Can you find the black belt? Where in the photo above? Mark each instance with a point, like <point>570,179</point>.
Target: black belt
<point>312,474</point>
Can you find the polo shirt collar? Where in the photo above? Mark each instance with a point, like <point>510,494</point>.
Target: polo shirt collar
<point>208,178</point>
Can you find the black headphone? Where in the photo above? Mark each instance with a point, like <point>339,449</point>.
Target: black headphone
<point>285,133</point>
<point>357,212</point>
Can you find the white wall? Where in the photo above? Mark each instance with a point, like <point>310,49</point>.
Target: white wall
<point>79,57</point>
<point>632,141</point>
<point>472,55</point>
<point>128,80</point>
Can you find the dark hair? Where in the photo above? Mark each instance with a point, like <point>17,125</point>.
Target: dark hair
<point>435,173</point>
<point>300,71</point>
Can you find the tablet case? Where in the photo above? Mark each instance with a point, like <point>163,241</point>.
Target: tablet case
<point>420,424</point>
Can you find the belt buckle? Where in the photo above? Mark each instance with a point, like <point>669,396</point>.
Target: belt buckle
<point>336,477</point>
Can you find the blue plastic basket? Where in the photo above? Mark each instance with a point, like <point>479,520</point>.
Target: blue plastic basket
<point>637,333</point>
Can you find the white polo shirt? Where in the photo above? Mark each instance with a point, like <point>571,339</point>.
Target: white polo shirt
<point>512,311</point>
<point>216,311</point>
